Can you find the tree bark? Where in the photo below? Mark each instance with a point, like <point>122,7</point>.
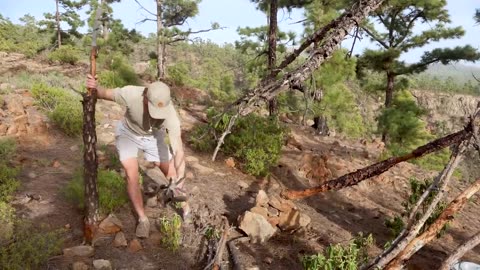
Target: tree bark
<point>447,215</point>
<point>320,125</point>
<point>272,51</point>
<point>160,43</point>
<point>105,31</point>
<point>460,251</point>
<point>356,177</point>
<point>388,98</point>
<point>59,31</point>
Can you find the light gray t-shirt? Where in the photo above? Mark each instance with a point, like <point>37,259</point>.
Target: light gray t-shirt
<point>131,97</point>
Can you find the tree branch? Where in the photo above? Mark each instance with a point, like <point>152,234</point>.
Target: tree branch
<point>377,39</point>
<point>447,215</point>
<point>460,251</point>
<point>413,226</point>
<point>148,11</point>
<point>356,177</point>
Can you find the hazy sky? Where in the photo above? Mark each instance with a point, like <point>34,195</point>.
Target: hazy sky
<point>240,13</point>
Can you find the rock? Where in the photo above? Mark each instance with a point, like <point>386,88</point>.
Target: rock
<point>102,265</point>
<point>106,125</point>
<point>242,184</point>
<point>191,159</point>
<point>230,162</point>
<point>195,191</point>
<point>120,240</point>
<point>21,120</point>
<point>260,210</point>
<point>293,220</point>
<point>3,129</point>
<point>79,266</point>
<point>12,130</point>
<point>80,251</point>
<point>135,246</point>
<point>156,175</point>
<point>110,225</point>
<point>56,164</point>
<point>32,175</point>
<point>272,211</point>
<point>27,101</point>
<point>152,202</point>
<point>14,105</point>
<point>273,221</point>
<point>220,174</point>
<point>155,238</point>
<point>202,169</point>
<point>67,226</point>
<point>74,148</point>
<point>256,227</point>
<point>281,204</point>
<point>262,198</point>
<point>268,260</point>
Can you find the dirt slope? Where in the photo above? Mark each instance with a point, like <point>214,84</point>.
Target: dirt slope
<point>49,159</point>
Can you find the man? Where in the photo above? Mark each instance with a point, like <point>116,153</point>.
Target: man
<point>149,117</point>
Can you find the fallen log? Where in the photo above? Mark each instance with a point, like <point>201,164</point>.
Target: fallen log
<point>447,215</point>
<point>461,250</point>
<point>356,177</point>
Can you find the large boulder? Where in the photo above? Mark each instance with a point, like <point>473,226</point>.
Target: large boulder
<point>256,227</point>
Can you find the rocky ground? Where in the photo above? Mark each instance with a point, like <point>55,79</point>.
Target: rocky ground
<point>280,231</point>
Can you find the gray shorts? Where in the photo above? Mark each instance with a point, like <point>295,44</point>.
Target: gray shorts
<point>154,147</point>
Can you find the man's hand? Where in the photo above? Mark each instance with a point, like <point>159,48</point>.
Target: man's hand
<point>91,82</point>
<point>101,93</point>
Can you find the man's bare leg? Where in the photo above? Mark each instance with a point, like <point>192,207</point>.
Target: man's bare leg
<point>133,188</point>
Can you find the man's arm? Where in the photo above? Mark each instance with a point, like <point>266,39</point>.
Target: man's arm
<point>101,93</point>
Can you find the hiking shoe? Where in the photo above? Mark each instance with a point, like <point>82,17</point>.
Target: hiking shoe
<point>143,228</point>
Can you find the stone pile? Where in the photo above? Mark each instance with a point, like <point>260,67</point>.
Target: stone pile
<point>270,214</point>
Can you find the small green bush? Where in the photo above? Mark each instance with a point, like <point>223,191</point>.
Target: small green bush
<point>7,219</point>
<point>417,188</point>
<point>118,72</point>
<point>32,247</point>
<point>111,190</point>
<point>171,230</point>
<point>63,107</point>
<point>337,257</point>
<point>66,54</point>
<point>255,141</point>
<point>8,174</point>
<point>178,73</point>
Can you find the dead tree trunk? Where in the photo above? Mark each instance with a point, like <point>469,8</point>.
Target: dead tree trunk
<point>356,177</point>
<point>57,20</point>
<point>460,251</point>
<point>447,215</point>
<point>90,140</point>
<point>272,51</point>
<point>160,43</point>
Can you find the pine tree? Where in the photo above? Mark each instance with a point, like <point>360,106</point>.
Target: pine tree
<point>66,12</point>
<point>395,36</point>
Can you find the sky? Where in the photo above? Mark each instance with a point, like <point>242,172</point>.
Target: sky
<point>232,14</point>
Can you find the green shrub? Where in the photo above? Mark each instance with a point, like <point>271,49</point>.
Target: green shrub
<point>63,107</point>
<point>111,190</point>
<point>171,230</point>
<point>417,188</point>
<point>118,72</point>
<point>66,54</point>
<point>8,174</point>
<point>7,219</point>
<point>337,257</point>
<point>255,141</point>
<point>402,124</point>
<point>32,247</point>
<point>178,73</point>
<point>7,149</point>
